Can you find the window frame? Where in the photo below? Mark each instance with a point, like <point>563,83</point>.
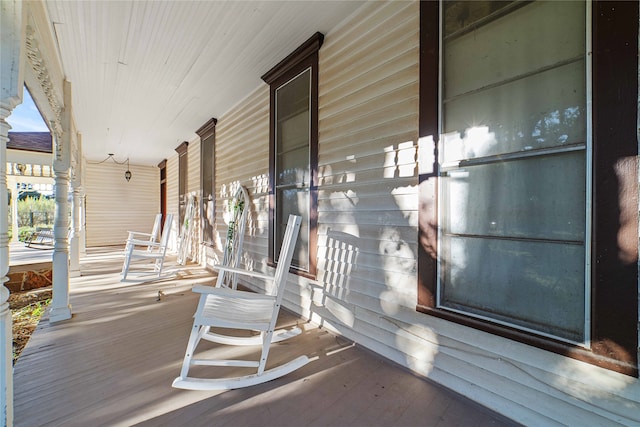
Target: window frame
<point>183,165</point>
<point>303,58</point>
<point>207,134</point>
<point>614,284</point>
<point>163,190</point>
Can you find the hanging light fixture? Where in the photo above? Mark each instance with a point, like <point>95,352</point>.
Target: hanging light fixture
<point>127,174</point>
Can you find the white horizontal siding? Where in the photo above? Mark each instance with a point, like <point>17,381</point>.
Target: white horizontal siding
<point>193,165</point>
<point>115,206</point>
<point>242,157</point>
<point>173,197</point>
<point>367,203</point>
<point>194,186</point>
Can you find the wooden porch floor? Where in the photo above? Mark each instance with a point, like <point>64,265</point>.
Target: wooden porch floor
<point>112,364</point>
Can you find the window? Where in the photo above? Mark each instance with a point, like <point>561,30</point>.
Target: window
<point>163,189</point>
<point>183,164</point>
<point>294,151</point>
<point>513,185</point>
<point>207,135</point>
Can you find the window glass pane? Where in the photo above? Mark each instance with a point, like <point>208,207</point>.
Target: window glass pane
<point>292,162</point>
<point>536,285</point>
<point>292,109</point>
<point>513,227</point>
<point>182,186</point>
<point>294,201</point>
<point>540,111</point>
<point>208,196</point>
<point>294,166</point>
<point>533,198</point>
<point>531,37</point>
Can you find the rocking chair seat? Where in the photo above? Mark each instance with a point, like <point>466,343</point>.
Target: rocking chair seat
<point>242,310</point>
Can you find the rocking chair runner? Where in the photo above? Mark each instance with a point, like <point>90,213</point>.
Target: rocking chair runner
<point>229,308</point>
<point>155,251</point>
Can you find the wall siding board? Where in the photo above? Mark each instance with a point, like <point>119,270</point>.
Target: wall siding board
<point>173,198</point>
<point>242,153</point>
<point>342,184</point>
<point>193,161</point>
<point>385,113</point>
<point>371,19</point>
<point>333,113</point>
<point>369,56</point>
<point>357,87</point>
<point>111,200</point>
<point>194,186</point>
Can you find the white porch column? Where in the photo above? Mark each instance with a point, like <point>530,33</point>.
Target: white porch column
<point>60,307</point>
<point>12,37</point>
<point>14,210</point>
<point>6,338</point>
<point>82,237</point>
<point>74,255</point>
<point>76,222</point>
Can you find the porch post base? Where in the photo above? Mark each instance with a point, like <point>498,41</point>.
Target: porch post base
<point>59,314</point>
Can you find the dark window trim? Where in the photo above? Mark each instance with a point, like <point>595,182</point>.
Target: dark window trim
<point>205,132</point>
<point>207,129</point>
<point>182,148</point>
<point>183,164</point>
<point>163,190</point>
<point>614,333</point>
<point>304,57</point>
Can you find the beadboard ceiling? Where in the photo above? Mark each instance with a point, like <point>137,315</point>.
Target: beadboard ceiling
<point>146,75</point>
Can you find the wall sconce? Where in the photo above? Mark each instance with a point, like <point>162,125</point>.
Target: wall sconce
<point>127,174</point>
<point>21,168</point>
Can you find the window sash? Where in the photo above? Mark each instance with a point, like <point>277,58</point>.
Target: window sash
<point>463,286</point>
<point>292,162</point>
<point>208,189</point>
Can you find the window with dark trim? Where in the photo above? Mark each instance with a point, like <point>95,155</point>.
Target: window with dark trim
<point>465,254</point>
<point>207,135</point>
<point>183,165</point>
<point>293,152</point>
<point>163,189</point>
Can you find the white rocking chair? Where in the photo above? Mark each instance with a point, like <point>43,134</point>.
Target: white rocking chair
<point>234,309</point>
<point>152,237</point>
<point>154,251</point>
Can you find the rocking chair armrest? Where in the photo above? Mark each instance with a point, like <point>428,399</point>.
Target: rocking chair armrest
<point>225,292</point>
<point>243,272</point>
<point>143,243</point>
<point>138,233</point>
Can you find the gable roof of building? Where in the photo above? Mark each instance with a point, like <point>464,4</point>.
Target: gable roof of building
<point>30,141</point>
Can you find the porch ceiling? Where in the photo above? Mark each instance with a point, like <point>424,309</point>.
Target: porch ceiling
<point>147,74</point>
